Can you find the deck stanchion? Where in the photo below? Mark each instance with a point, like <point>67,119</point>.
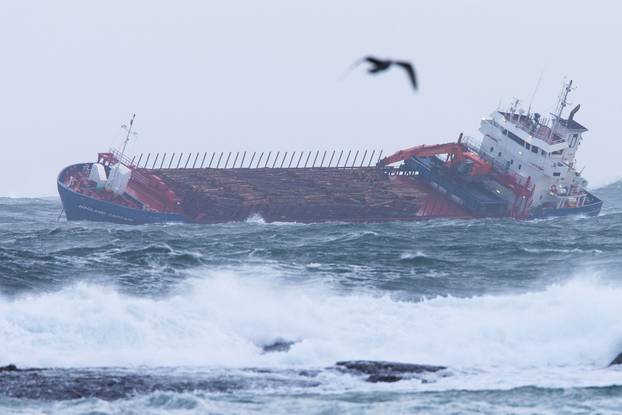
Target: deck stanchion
<point>242,162</point>
<point>275,159</point>
<point>338,160</point>
<point>371,158</point>
<point>171,162</point>
<point>331,158</point>
<point>291,159</point>
<point>355,157</point>
<point>187,160</point>
<point>363,161</point>
<point>300,158</point>
<point>283,160</point>
<point>315,159</point>
<point>379,155</point>
<point>307,160</point>
<point>139,159</point>
<point>179,159</point>
<point>132,162</point>
<point>259,161</point>
<point>345,165</point>
<point>203,161</point>
<point>235,159</point>
<point>219,158</point>
<point>163,159</point>
<point>267,160</point>
<point>195,160</point>
<point>211,160</point>
<point>227,162</point>
<point>323,157</point>
<point>252,158</point>
<point>155,161</point>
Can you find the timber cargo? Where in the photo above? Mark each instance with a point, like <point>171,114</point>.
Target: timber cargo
<point>523,166</point>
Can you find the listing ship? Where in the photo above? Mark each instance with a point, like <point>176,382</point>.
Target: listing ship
<point>523,166</point>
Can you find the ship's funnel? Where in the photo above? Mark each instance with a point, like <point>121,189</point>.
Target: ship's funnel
<point>574,111</point>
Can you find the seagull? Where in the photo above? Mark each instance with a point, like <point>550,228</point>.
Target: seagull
<point>381,65</point>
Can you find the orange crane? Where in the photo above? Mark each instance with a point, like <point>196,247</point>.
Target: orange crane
<point>456,153</point>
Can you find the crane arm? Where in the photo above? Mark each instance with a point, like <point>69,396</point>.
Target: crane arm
<point>456,152</point>
<point>424,151</point>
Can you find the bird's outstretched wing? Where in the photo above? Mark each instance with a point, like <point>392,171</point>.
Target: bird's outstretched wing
<point>352,67</point>
<point>373,60</point>
<point>378,65</point>
<point>407,66</point>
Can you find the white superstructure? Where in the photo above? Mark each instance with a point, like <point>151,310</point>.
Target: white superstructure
<point>539,151</point>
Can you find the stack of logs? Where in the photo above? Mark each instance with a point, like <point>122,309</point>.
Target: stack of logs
<point>365,194</point>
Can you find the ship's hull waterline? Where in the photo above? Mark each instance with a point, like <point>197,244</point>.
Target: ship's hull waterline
<point>358,195</point>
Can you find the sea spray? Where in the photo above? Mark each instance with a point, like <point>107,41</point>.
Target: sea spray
<point>224,318</point>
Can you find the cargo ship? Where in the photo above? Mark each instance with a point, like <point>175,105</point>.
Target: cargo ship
<point>523,166</point>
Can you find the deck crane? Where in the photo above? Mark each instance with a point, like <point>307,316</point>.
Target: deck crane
<point>456,153</point>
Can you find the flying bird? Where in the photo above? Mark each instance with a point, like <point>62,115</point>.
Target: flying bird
<point>381,65</point>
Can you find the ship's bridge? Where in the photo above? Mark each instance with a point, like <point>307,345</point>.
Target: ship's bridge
<point>523,129</point>
<point>525,145</point>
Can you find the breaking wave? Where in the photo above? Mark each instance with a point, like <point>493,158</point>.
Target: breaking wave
<point>223,318</point>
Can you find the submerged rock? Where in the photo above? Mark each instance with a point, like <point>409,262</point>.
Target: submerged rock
<point>617,360</point>
<point>380,371</point>
<point>8,368</point>
<point>279,345</point>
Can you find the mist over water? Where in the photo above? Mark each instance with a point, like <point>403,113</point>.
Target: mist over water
<point>161,318</point>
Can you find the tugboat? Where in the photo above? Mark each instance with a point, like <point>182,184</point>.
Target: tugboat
<point>523,166</point>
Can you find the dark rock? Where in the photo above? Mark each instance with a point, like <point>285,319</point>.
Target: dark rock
<point>617,360</point>
<point>111,384</point>
<point>379,371</point>
<point>8,368</point>
<point>309,373</point>
<point>371,367</point>
<point>279,345</point>
<point>383,378</point>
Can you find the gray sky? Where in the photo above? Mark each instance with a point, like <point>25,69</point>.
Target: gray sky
<point>264,75</point>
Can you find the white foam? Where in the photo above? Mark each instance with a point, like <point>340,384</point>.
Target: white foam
<point>221,318</point>
<point>561,250</point>
<point>256,219</point>
<point>412,255</point>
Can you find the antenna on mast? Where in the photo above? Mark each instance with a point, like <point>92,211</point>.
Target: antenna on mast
<point>127,137</point>
<point>563,98</point>
<point>534,93</point>
<point>561,104</point>
<point>514,106</point>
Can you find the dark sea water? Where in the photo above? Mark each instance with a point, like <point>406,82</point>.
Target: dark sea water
<point>160,319</point>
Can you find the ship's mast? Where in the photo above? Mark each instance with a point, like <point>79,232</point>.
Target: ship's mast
<point>127,137</point>
<point>514,105</point>
<point>563,99</point>
<point>561,104</point>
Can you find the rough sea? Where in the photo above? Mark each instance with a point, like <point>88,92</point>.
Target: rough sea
<point>524,316</point>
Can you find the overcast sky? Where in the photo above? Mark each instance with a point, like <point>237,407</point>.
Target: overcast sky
<point>264,75</point>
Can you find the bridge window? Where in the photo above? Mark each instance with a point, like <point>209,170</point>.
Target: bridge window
<point>499,154</point>
<point>573,140</point>
<point>519,166</point>
<point>514,137</point>
<point>534,149</point>
<point>492,149</point>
